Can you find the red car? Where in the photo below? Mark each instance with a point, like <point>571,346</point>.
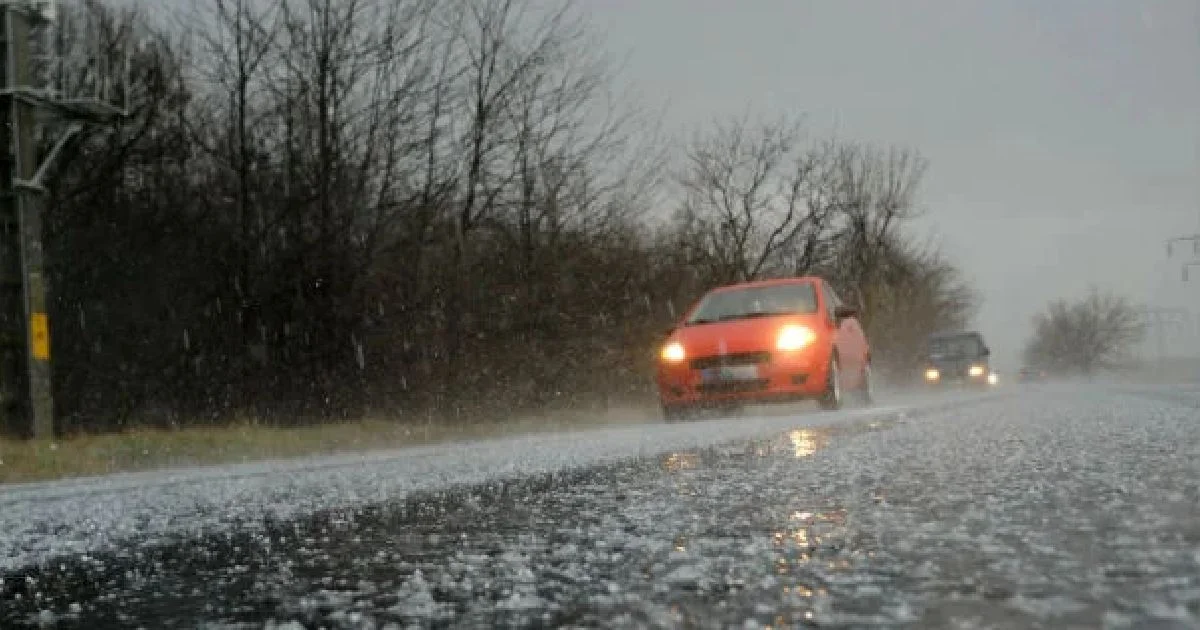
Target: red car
<point>766,341</point>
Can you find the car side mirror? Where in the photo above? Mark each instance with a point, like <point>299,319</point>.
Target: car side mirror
<point>987,352</point>
<point>845,312</point>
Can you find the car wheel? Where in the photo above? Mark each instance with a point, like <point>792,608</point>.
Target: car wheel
<point>866,392</point>
<point>831,399</point>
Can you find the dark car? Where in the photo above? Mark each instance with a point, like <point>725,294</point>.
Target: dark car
<point>959,357</point>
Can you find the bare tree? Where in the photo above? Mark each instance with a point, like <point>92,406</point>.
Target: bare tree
<point>506,50</point>
<point>224,124</point>
<point>1094,333</point>
<point>307,118</point>
<point>874,193</point>
<point>576,170</point>
<point>349,80</point>
<point>753,195</point>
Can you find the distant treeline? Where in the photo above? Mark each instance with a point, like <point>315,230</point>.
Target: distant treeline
<point>320,209</point>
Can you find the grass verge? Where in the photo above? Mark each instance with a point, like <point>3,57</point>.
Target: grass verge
<point>153,449</point>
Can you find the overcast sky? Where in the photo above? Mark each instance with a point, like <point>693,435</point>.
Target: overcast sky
<point>1063,136</point>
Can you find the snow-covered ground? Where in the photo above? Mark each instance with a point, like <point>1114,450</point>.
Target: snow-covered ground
<point>39,521</point>
<point>1050,506</point>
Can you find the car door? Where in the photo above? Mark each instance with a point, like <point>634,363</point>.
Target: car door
<point>848,339</point>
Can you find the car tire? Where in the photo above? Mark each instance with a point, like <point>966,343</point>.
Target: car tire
<point>866,392</point>
<point>831,398</point>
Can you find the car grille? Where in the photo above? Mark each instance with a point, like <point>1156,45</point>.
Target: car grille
<point>733,387</point>
<point>731,360</point>
<point>957,369</point>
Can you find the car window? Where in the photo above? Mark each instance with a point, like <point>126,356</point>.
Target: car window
<point>833,296</point>
<point>757,301</point>
<point>961,346</point>
<point>832,302</point>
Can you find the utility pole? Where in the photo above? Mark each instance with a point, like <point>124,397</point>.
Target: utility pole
<point>26,398</point>
<point>24,342</point>
<point>1194,239</point>
<point>1189,265</point>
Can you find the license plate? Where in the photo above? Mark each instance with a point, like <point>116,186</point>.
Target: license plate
<point>730,373</point>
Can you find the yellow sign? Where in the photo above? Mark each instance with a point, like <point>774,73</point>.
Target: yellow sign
<point>39,336</point>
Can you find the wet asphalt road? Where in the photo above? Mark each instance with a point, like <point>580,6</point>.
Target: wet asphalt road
<point>1057,507</point>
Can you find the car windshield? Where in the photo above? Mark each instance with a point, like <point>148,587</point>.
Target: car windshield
<point>953,346</point>
<point>758,301</point>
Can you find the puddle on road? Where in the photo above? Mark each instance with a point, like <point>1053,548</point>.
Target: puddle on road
<point>799,443</point>
<point>808,441</point>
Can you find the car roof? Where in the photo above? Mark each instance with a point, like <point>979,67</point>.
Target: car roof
<point>769,283</point>
<point>951,334</point>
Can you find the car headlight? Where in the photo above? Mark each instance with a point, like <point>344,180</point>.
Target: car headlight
<point>673,352</point>
<point>793,337</point>
<point>932,375</point>
<point>993,379</point>
<point>976,370</point>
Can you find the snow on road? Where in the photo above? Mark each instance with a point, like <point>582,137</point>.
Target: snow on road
<point>39,521</point>
<point>1064,506</point>
<point>1069,507</point>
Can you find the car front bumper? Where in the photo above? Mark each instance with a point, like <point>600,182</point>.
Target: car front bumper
<point>784,377</point>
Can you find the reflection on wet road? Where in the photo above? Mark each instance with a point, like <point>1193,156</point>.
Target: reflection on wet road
<point>1058,509</point>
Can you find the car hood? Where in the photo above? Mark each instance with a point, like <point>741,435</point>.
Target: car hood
<point>948,362</point>
<point>739,335</point>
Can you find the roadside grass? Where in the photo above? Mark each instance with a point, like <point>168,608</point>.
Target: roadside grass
<point>145,449</point>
